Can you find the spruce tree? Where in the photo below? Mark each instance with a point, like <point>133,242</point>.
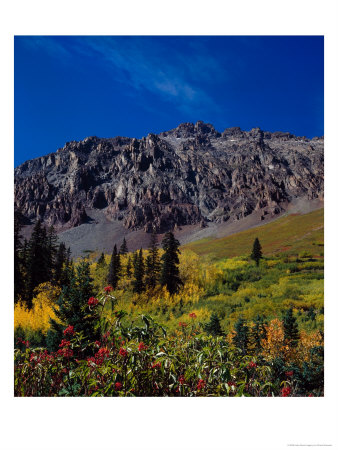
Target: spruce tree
<point>101,262</point>
<point>60,260</point>
<point>256,253</point>
<point>128,267</point>
<point>241,338</point>
<point>18,266</point>
<point>138,282</point>
<point>73,308</point>
<point>291,333</point>
<point>214,326</point>
<point>153,266</point>
<point>38,262</point>
<point>170,275</point>
<point>258,332</point>
<point>124,247</point>
<point>114,269</point>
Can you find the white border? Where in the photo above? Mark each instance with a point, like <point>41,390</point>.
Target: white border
<point>168,424</point>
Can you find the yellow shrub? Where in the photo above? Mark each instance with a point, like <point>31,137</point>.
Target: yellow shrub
<point>37,319</point>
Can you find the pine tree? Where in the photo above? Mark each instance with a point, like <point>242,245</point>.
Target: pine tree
<point>73,308</point>
<point>258,332</point>
<point>38,262</point>
<point>138,282</point>
<point>256,254</point>
<point>291,333</point>
<point>170,276</point>
<point>128,267</point>
<point>153,266</point>
<point>214,326</point>
<point>18,269</point>
<point>60,260</point>
<point>241,338</point>
<point>124,247</point>
<point>101,262</point>
<point>114,269</point>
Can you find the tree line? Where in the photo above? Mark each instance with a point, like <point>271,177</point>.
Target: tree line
<point>147,272</point>
<point>38,260</point>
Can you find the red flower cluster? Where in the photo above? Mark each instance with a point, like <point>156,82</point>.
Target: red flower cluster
<point>97,343</point>
<point>103,352</point>
<point>142,347</point>
<point>231,383</point>
<point>181,379</point>
<point>123,352</point>
<point>200,384</point>
<point>156,365</point>
<point>66,352</point>
<point>182,324</point>
<point>93,301</point>
<point>251,365</point>
<point>21,341</point>
<point>69,331</point>
<point>118,386</point>
<point>192,315</point>
<point>310,395</point>
<point>286,391</point>
<point>108,289</point>
<point>64,343</point>
<point>289,374</point>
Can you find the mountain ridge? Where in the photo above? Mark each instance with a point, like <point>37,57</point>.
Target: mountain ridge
<point>191,175</point>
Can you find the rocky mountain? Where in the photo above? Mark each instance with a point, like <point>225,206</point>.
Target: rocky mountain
<point>191,175</point>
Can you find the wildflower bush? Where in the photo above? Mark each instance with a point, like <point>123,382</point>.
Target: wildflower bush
<point>134,356</point>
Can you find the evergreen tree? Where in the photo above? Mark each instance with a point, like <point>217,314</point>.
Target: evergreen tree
<point>128,267</point>
<point>291,333</point>
<point>241,339</point>
<point>258,332</point>
<point>114,269</point>
<point>124,247</point>
<point>73,308</point>
<point>170,275</point>
<point>256,253</point>
<point>60,260</point>
<point>101,262</point>
<point>38,262</point>
<point>153,266</point>
<point>18,269</point>
<point>138,282</point>
<point>214,326</point>
<point>51,250</point>
<point>135,256</point>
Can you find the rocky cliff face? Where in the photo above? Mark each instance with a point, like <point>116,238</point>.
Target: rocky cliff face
<point>189,175</point>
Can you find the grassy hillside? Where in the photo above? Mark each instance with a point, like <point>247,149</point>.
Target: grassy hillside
<point>291,234</point>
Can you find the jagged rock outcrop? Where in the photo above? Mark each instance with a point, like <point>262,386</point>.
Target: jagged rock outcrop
<point>189,175</point>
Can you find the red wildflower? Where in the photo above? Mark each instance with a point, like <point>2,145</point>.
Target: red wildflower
<point>200,384</point>
<point>192,315</point>
<point>231,383</point>
<point>93,301</point>
<point>182,324</point>
<point>123,352</point>
<point>108,289</point>
<point>156,365</point>
<point>64,343</point>
<point>142,347</point>
<point>289,374</point>
<point>90,360</point>
<point>69,331</point>
<point>286,391</point>
<point>181,379</point>
<point>66,352</point>
<point>98,343</point>
<point>310,395</point>
<point>103,352</point>
<point>118,386</point>
<point>251,365</point>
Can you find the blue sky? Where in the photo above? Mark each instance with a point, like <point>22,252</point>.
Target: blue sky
<point>71,87</point>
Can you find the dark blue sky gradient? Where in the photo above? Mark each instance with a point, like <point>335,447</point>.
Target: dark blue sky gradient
<point>68,88</point>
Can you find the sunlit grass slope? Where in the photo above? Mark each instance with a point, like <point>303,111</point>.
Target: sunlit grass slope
<point>291,234</point>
